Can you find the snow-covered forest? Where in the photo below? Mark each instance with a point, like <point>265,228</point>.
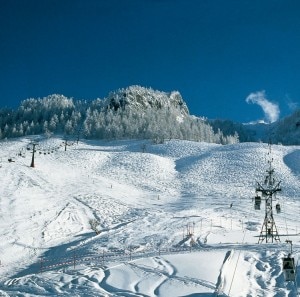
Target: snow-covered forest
<point>131,113</point>
<point>136,113</point>
<point>287,130</point>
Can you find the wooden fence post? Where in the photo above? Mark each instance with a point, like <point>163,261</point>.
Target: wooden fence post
<point>74,259</point>
<point>41,265</point>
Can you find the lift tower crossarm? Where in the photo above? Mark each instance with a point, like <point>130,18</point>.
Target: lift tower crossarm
<point>268,192</point>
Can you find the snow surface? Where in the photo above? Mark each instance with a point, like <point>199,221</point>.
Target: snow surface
<point>146,200</point>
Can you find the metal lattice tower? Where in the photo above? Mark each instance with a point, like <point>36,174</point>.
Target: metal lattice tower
<point>267,192</point>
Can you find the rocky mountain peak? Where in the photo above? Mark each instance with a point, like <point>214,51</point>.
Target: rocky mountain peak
<point>139,98</point>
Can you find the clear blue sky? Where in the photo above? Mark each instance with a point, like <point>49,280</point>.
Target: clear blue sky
<point>214,52</point>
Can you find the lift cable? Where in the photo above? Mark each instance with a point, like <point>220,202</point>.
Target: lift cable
<point>236,265</point>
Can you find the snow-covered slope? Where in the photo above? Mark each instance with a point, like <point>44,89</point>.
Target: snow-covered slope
<point>150,203</point>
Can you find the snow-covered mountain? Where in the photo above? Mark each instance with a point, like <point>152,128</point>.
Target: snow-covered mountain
<point>131,113</point>
<point>130,218</point>
<point>285,131</point>
<point>137,112</point>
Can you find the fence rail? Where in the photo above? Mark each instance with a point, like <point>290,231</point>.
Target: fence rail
<point>104,257</point>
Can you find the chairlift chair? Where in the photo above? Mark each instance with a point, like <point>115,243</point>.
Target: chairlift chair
<point>257,202</point>
<point>278,208</point>
<point>288,267</point>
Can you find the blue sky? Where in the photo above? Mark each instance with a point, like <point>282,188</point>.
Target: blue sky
<point>233,59</point>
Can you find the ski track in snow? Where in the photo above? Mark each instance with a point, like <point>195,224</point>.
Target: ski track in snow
<point>144,202</point>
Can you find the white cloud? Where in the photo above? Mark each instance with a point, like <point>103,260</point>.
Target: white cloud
<point>270,109</point>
